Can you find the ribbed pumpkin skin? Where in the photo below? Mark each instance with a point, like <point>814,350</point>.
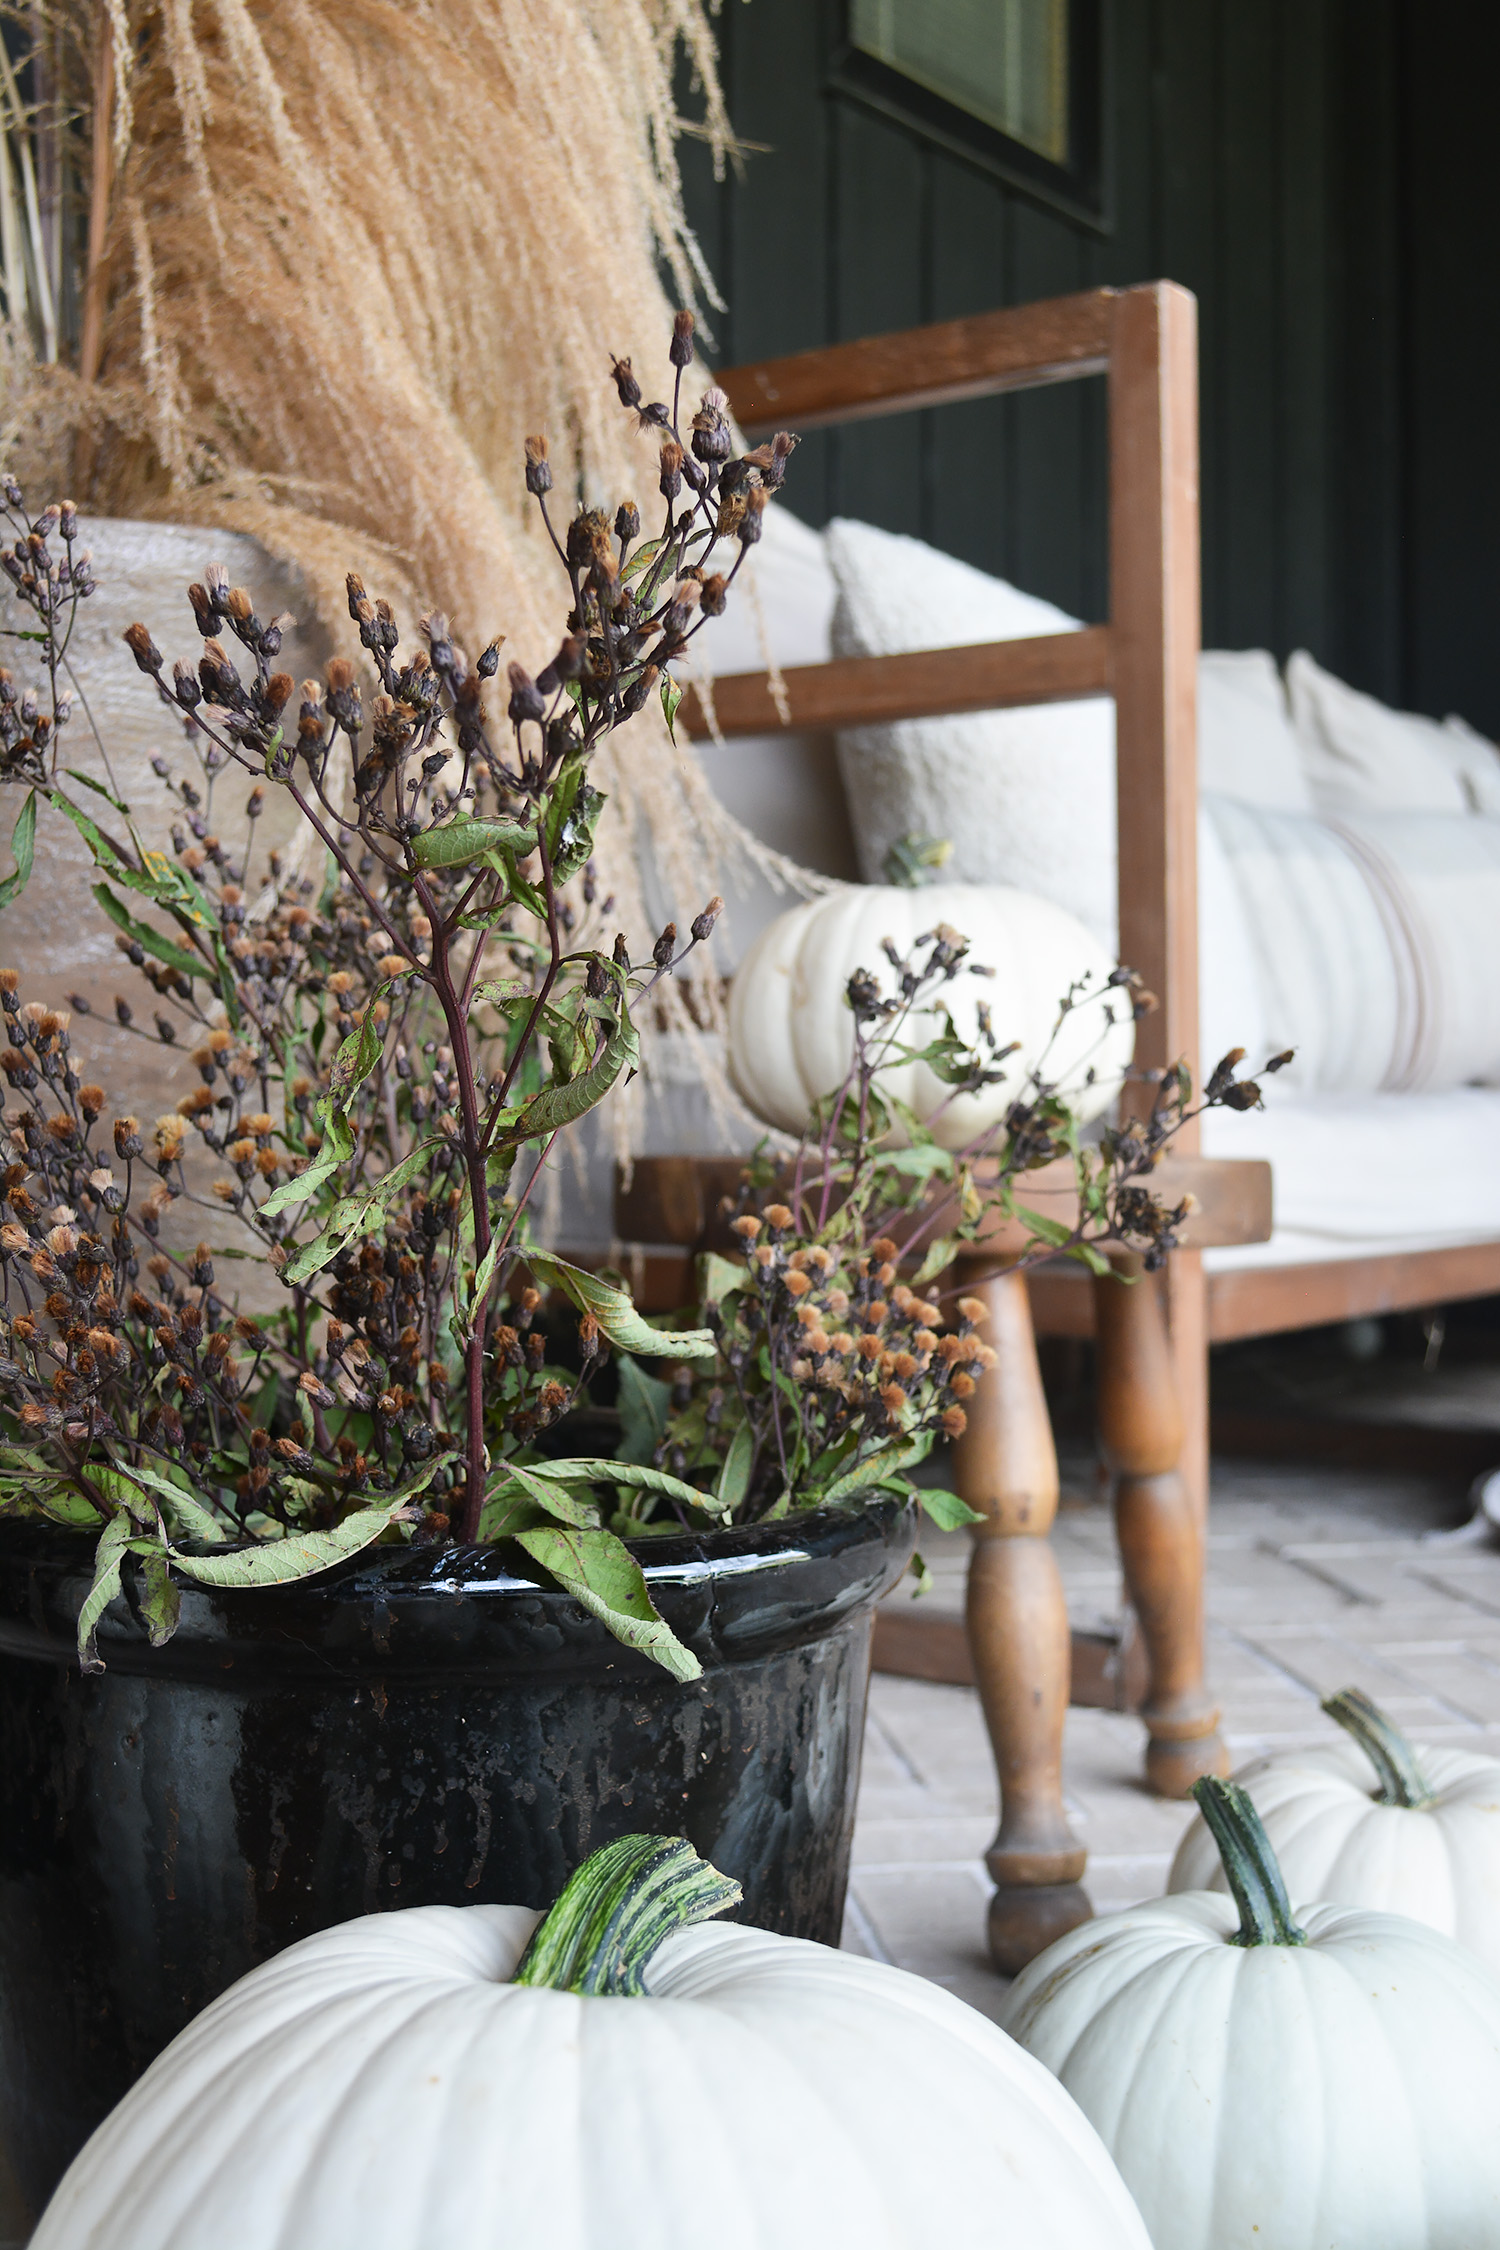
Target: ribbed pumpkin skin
<point>1439,1863</point>
<point>791,1036</point>
<point>1338,2095</point>
<point>380,2087</point>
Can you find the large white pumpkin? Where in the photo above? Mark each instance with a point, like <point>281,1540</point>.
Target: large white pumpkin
<point>1261,2091</point>
<point>386,2086</point>
<point>791,1034</point>
<point>1375,1821</point>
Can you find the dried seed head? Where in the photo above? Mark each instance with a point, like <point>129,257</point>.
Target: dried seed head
<point>145,651</point>
<point>670,479</point>
<point>538,469</point>
<point>680,350</point>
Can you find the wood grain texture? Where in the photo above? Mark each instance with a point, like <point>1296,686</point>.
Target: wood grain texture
<point>1263,1301</point>
<point>1106,1670</point>
<point>1154,608</point>
<point>1017,1619</point>
<point>1158,1522</point>
<point>952,359</point>
<point>854,691</point>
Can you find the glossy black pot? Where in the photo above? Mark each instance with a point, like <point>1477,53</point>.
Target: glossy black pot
<point>409,1729</point>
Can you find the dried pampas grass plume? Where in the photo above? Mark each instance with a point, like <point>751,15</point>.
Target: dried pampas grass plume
<point>358,249</point>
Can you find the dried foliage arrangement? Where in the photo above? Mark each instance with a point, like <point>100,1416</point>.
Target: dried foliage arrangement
<point>385,1058</point>
<point>386,1055</point>
<point>424,217</point>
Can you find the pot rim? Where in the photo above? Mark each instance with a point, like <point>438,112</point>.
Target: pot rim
<point>727,1594</point>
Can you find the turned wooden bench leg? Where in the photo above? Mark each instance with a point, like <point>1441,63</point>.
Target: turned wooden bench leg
<point>1159,1525</point>
<point>1018,1629</point>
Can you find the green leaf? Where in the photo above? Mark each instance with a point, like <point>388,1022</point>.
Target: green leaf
<point>161,1600</point>
<point>354,1215</point>
<point>719,1278</point>
<point>1046,1230</point>
<point>1088,1256</point>
<point>22,851</point>
<point>912,859</point>
<point>643,1402</point>
<point>576,1469</point>
<point>642,559</point>
<point>192,1520</point>
<point>538,1492</point>
<point>575,836</point>
<point>918,1569</point>
<point>507,1512</point>
<point>458,842</point>
<point>114,1545</point>
<point>556,1106</point>
<point>76,773</point>
<point>883,1466</point>
<point>671,698</point>
<point>733,1480</point>
<point>358,1054</point>
<point>597,1570</point>
<point>352,1065</point>
<point>940,1256</point>
<point>336,1148</point>
<point>303,1555</point>
<point>175,956</point>
<point>616,1314</point>
<point>947,1511</point>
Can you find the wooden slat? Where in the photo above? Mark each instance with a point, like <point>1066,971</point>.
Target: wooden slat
<point>870,690</point>
<point>1108,1671</point>
<point>1013,350</point>
<point>1154,608</point>
<point>1265,1300</point>
<point>675,1199</point>
<point>1268,1300</point>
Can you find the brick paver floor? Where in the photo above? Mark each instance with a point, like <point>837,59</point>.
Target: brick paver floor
<point>1317,1579</point>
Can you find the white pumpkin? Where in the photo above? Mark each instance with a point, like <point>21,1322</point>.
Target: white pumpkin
<point>791,1034</point>
<point>1268,2087</point>
<point>1375,1821</point>
<point>387,2086</point>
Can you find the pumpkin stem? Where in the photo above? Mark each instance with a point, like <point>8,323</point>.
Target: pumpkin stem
<point>615,1911</point>
<point>1249,1863</point>
<point>1401,1778</point>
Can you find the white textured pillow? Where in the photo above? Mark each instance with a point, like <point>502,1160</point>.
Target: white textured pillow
<point>1027,797</point>
<point>1331,982</point>
<point>1246,744</point>
<point>1231,1005</point>
<point>1363,757</point>
<point>1438,883</point>
<point>1477,762</point>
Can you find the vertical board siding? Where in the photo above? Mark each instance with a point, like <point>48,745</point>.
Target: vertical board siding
<point>1318,172</point>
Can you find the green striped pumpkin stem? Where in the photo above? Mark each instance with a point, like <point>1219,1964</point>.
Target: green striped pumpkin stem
<point>1249,1864</point>
<point>616,1909</point>
<point>1402,1781</point>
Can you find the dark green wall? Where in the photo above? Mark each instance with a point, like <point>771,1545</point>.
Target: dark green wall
<point>1320,172</point>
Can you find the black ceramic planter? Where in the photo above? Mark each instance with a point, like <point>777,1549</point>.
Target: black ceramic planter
<point>410,1729</point>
